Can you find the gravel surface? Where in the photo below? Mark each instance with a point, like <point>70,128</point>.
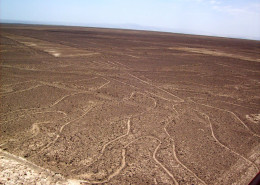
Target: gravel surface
<point>20,172</point>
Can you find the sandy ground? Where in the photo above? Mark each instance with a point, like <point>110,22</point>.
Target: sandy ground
<point>104,106</point>
<point>16,170</point>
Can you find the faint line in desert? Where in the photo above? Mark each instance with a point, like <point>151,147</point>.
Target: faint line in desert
<point>48,106</point>
<point>254,134</point>
<point>181,100</point>
<point>14,92</point>
<point>82,79</point>
<point>112,175</point>
<point>108,143</point>
<point>162,166</point>
<point>173,107</point>
<point>225,65</point>
<point>176,158</point>
<point>154,154</point>
<point>108,81</point>
<point>123,65</point>
<point>42,112</point>
<point>158,96</point>
<point>62,127</point>
<point>104,64</point>
<point>7,85</point>
<point>127,133</point>
<point>126,83</point>
<point>131,56</point>
<point>224,146</point>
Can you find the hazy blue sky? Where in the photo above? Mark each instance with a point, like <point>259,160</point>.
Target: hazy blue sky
<point>232,18</point>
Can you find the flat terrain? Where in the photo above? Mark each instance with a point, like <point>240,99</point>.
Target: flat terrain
<point>129,107</point>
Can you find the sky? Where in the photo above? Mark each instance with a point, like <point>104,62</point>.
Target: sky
<point>226,18</point>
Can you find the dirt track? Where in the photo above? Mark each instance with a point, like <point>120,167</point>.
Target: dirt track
<point>131,107</point>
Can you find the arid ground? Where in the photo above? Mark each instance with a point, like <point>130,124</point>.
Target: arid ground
<point>107,106</point>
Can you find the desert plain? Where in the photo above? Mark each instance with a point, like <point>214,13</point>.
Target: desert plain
<point>110,106</point>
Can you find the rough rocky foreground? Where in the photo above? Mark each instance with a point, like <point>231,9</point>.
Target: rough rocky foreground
<point>16,170</point>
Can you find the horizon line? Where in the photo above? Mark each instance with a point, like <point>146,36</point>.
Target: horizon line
<point>120,27</point>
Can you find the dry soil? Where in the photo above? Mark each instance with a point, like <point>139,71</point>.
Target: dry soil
<point>104,106</point>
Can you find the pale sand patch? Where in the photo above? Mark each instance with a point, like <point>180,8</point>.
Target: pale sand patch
<point>81,54</point>
<point>54,49</point>
<point>32,44</point>
<point>53,52</point>
<point>253,117</point>
<point>73,182</point>
<point>214,53</point>
<point>56,54</point>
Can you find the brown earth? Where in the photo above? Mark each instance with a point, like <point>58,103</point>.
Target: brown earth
<point>104,106</point>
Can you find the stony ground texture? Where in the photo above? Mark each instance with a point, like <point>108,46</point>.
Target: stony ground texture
<point>103,106</point>
<point>17,171</point>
